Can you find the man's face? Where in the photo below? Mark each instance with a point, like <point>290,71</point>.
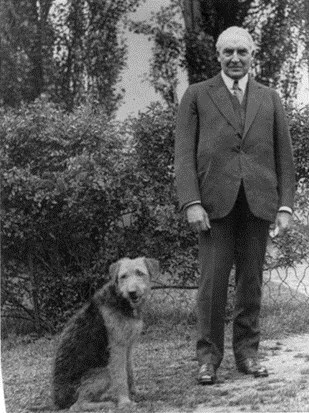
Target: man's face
<point>235,56</point>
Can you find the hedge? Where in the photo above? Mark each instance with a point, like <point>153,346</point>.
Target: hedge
<point>80,191</point>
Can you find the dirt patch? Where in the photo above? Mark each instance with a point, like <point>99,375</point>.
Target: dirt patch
<point>285,390</point>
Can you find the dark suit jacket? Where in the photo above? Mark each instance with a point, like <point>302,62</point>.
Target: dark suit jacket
<point>213,155</point>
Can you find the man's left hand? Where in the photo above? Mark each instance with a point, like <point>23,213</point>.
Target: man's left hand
<point>283,222</point>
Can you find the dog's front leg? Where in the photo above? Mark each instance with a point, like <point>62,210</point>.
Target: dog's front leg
<point>119,375</point>
<point>131,383</point>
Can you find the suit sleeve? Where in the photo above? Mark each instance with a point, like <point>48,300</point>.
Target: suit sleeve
<point>186,140</point>
<point>283,155</point>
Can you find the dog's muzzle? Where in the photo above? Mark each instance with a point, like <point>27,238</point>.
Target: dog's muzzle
<point>134,297</point>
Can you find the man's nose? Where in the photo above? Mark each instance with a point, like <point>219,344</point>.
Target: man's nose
<point>235,56</point>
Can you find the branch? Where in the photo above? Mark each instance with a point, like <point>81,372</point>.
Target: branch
<point>176,287</point>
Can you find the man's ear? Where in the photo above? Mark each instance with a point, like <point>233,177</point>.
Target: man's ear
<point>152,265</point>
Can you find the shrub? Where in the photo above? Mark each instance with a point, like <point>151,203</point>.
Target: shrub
<point>158,220</point>
<point>299,127</point>
<point>62,183</point>
<point>80,191</point>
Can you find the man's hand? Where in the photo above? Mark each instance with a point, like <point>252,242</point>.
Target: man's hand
<point>283,222</point>
<point>197,217</point>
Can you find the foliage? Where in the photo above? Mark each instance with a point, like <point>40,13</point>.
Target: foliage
<point>62,203</point>
<point>26,49</point>
<point>204,21</point>
<point>306,16</point>
<point>71,50</point>
<point>92,52</point>
<point>293,247</point>
<point>299,128</point>
<point>279,30</point>
<point>80,191</point>
<point>164,231</point>
<point>166,32</point>
<point>185,34</point>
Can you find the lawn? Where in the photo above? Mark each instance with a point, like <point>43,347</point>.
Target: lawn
<point>165,364</point>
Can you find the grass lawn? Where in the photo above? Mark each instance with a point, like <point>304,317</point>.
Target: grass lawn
<point>165,362</point>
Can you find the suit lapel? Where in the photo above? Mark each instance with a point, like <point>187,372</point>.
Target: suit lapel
<point>254,100</point>
<point>220,96</point>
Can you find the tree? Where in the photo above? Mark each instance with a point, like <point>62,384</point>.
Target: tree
<point>204,21</point>
<point>63,177</point>
<point>279,31</point>
<point>185,32</point>
<point>166,32</point>
<point>92,51</point>
<point>26,49</point>
<point>306,52</point>
<point>72,50</point>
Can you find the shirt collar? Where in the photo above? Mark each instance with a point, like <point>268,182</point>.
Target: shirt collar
<point>242,83</point>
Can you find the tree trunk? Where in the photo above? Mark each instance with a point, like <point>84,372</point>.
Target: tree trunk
<point>307,34</point>
<point>34,293</point>
<point>204,21</point>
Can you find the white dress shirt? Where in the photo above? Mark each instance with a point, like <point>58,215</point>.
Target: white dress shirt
<point>242,83</point>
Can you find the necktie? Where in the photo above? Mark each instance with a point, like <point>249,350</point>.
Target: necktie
<point>237,91</point>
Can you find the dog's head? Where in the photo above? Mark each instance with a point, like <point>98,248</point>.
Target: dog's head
<point>132,278</point>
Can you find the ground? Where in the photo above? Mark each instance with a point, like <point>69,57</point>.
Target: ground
<point>286,388</point>
<point>166,378</point>
<point>166,368</point>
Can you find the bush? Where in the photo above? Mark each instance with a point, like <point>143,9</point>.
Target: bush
<point>80,191</point>
<point>63,177</point>
<point>158,220</point>
<point>299,127</point>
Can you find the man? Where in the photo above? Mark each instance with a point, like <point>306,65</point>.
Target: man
<point>234,175</point>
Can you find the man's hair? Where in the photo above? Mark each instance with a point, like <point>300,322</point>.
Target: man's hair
<point>231,32</point>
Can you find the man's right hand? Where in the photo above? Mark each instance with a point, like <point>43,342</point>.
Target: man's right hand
<point>197,217</point>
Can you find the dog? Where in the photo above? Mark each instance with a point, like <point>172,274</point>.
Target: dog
<point>93,361</point>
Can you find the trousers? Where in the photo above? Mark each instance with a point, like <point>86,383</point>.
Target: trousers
<point>238,239</point>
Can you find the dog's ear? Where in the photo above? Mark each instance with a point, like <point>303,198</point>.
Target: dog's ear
<point>152,265</point>
<point>114,270</point>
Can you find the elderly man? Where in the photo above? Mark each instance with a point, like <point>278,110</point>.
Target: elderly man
<point>234,175</point>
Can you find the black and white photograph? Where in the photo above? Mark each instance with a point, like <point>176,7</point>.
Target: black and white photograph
<point>154,176</point>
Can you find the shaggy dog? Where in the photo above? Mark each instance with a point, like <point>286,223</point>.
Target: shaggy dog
<point>93,362</point>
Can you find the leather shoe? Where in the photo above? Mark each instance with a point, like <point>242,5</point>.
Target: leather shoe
<point>207,374</point>
<point>252,366</point>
